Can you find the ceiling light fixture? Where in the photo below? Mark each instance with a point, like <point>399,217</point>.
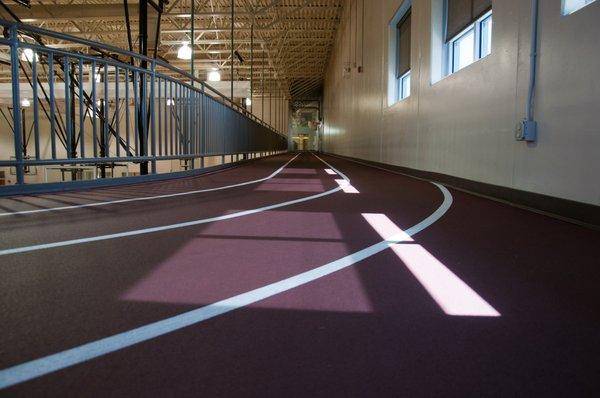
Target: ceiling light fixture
<point>28,55</point>
<point>185,51</point>
<point>214,76</point>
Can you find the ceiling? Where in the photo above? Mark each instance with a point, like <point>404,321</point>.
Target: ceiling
<point>291,41</point>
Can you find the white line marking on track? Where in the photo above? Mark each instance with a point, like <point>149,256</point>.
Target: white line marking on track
<point>43,246</point>
<point>171,195</point>
<point>61,360</point>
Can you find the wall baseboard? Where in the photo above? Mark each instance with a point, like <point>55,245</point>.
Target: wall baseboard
<point>583,214</point>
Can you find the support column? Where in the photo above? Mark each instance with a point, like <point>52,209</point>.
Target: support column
<point>251,65</point>
<point>192,41</point>
<point>232,26</point>
<point>262,76</point>
<point>143,50</point>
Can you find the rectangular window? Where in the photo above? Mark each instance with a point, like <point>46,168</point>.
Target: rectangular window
<point>404,86</point>
<point>486,36</point>
<point>468,32</point>
<point>403,56</point>
<point>463,13</point>
<point>462,50</point>
<point>570,6</point>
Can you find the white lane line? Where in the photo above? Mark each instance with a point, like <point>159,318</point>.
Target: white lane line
<point>171,195</point>
<point>451,293</point>
<point>61,360</point>
<point>43,246</point>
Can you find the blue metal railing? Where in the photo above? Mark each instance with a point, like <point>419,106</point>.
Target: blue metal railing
<point>110,105</point>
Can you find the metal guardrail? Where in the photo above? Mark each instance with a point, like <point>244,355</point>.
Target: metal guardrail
<point>114,106</point>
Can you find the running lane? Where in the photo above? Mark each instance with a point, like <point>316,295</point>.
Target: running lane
<point>243,173</point>
<point>37,228</point>
<point>370,329</point>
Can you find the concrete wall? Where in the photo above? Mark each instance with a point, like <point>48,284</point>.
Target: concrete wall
<point>464,125</point>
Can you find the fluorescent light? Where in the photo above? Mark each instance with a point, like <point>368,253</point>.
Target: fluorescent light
<point>214,76</point>
<point>28,55</point>
<point>25,103</point>
<point>185,51</point>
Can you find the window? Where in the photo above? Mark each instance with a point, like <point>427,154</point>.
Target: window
<point>570,6</point>
<point>398,54</point>
<point>468,32</point>
<point>403,57</point>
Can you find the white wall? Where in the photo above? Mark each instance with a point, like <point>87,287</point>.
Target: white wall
<point>464,125</point>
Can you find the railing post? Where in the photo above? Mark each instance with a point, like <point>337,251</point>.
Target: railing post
<point>68,115</point>
<point>152,123</point>
<point>204,124</point>
<point>16,97</point>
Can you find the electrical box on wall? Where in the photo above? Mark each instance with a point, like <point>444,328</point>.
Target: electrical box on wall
<point>347,71</point>
<point>527,131</point>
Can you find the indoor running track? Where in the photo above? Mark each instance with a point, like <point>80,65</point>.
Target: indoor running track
<point>293,276</point>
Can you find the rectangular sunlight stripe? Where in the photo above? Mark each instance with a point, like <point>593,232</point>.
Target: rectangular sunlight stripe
<point>346,187</point>
<point>453,295</point>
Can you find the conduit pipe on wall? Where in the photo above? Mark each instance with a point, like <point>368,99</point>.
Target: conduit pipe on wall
<point>362,39</point>
<point>528,128</point>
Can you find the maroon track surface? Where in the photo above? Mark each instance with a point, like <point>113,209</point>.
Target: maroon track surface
<point>368,330</point>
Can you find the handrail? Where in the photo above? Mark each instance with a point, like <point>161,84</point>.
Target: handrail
<point>62,36</point>
<point>171,117</point>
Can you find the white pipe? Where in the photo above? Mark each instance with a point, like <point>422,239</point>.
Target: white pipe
<point>533,60</point>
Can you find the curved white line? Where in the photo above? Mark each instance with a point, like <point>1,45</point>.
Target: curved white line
<point>61,360</point>
<point>143,231</point>
<point>171,195</point>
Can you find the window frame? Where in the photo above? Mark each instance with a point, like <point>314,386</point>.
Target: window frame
<point>476,27</point>
<point>401,93</point>
<point>563,4</point>
<point>394,80</point>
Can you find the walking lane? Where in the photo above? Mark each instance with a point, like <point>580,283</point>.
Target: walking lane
<point>78,223</point>
<point>134,286</point>
<point>368,329</point>
<point>41,203</point>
